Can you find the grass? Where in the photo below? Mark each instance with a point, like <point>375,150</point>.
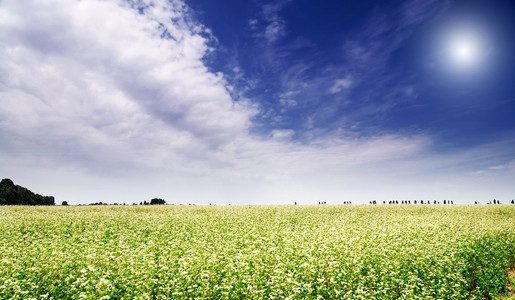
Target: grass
<point>257,252</point>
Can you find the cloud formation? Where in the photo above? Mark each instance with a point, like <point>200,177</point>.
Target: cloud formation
<point>270,25</point>
<point>340,84</point>
<point>113,75</point>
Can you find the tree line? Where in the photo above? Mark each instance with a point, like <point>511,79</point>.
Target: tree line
<point>154,201</point>
<point>11,194</point>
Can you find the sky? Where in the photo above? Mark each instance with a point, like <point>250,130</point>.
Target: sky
<point>258,102</point>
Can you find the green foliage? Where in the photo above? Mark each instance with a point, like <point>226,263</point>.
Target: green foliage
<point>488,259</point>
<point>11,194</point>
<point>256,252</point>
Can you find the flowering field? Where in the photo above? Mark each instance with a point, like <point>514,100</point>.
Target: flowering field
<point>256,252</point>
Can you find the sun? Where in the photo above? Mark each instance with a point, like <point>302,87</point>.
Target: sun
<point>464,48</point>
<point>464,51</point>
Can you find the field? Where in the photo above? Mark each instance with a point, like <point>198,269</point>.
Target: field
<point>257,252</point>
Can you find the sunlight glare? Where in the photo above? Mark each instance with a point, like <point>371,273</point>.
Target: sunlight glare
<point>464,51</point>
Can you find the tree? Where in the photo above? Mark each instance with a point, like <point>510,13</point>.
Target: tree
<point>65,203</point>
<point>157,201</point>
<point>11,194</point>
<point>6,183</point>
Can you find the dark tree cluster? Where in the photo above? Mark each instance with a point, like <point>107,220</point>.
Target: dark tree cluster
<point>11,194</point>
<point>415,202</point>
<point>156,201</point>
<point>495,202</point>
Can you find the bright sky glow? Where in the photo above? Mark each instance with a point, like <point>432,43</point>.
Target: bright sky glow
<point>258,102</point>
<point>464,49</point>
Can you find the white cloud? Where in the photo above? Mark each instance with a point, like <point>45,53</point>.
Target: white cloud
<point>282,134</point>
<point>274,30</point>
<point>275,25</point>
<point>99,70</point>
<point>340,85</point>
<point>287,102</point>
<point>287,99</point>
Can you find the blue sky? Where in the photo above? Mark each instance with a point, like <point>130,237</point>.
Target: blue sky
<point>371,66</point>
<point>258,102</point>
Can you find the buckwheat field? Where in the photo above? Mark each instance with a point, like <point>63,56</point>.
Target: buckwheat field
<point>256,252</point>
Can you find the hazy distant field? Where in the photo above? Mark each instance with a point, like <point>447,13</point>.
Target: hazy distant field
<point>355,252</point>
